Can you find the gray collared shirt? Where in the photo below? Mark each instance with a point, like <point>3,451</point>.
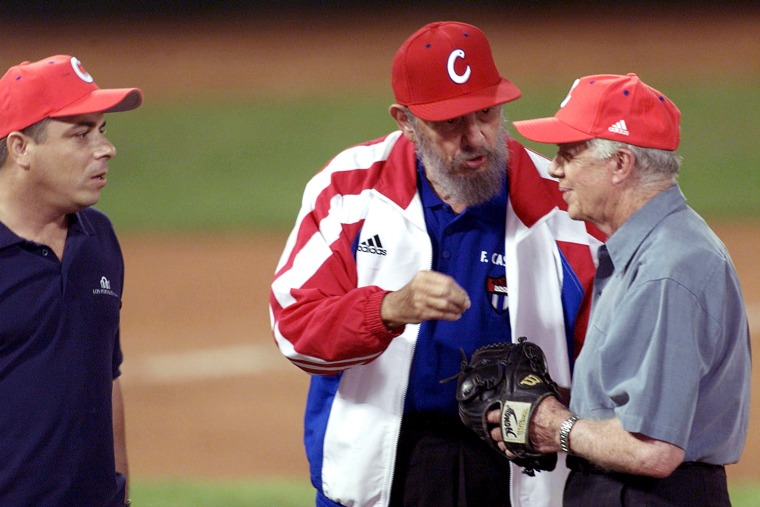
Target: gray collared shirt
<point>667,349</point>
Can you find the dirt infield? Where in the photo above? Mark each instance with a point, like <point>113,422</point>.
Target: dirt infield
<point>207,393</point>
<point>220,418</point>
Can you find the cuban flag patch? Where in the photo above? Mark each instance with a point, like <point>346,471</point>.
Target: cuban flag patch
<point>496,289</point>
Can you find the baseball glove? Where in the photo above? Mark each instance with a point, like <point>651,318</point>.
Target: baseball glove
<point>511,377</point>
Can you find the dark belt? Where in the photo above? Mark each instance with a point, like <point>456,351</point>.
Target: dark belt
<point>578,464</point>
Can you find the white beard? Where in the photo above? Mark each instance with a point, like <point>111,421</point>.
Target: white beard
<point>463,187</point>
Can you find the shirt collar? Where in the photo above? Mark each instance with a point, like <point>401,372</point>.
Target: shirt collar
<point>78,224</point>
<point>8,237</point>
<point>622,245</point>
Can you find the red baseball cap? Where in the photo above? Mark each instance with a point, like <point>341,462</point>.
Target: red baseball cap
<point>619,108</point>
<point>445,70</point>
<point>53,87</point>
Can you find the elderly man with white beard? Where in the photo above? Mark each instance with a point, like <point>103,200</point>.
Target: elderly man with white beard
<point>409,250</point>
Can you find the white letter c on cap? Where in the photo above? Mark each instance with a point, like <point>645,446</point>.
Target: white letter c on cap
<point>79,70</point>
<point>457,78</point>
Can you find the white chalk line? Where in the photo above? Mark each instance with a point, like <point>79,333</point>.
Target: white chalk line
<point>204,364</point>
<point>244,360</point>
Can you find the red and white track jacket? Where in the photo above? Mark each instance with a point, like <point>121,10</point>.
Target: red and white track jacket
<point>325,307</point>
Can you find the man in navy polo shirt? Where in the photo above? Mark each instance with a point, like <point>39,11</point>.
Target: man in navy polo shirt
<point>61,279</point>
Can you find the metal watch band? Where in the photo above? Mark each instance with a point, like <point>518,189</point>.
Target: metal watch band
<point>564,432</point>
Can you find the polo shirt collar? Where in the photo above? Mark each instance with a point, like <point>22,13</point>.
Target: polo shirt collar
<point>78,224</point>
<point>8,237</point>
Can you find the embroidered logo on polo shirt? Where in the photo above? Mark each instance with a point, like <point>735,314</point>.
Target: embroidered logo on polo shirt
<point>498,296</point>
<point>372,245</point>
<point>105,288</point>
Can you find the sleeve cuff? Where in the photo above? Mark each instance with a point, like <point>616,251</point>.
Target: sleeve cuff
<point>375,323</point>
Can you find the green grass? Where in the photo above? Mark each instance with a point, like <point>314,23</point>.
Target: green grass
<point>282,493</point>
<point>745,495</point>
<point>186,493</point>
<point>226,164</point>
<point>243,164</point>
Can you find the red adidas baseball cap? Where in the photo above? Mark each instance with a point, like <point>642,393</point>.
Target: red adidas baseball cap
<point>53,87</point>
<point>618,108</point>
<point>445,70</point>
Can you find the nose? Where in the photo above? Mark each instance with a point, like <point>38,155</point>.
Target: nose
<point>105,149</point>
<point>555,168</point>
<point>473,135</point>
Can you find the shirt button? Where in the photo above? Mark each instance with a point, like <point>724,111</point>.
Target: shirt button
<point>44,253</point>
<point>446,254</point>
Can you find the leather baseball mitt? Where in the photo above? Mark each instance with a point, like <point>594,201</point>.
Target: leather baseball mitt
<point>511,377</point>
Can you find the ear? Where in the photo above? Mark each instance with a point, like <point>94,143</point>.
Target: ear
<point>18,148</point>
<point>625,163</point>
<point>398,113</point>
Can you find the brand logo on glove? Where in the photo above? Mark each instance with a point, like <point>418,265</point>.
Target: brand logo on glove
<point>517,432</point>
<point>530,380</point>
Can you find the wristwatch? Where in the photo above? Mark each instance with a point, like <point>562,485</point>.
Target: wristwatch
<point>564,432</point>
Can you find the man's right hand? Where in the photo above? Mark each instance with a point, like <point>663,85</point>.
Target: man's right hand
<point>428,296</point>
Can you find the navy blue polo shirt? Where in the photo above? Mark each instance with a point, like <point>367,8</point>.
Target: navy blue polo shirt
<point>59,354</point>
<point>470,248</point>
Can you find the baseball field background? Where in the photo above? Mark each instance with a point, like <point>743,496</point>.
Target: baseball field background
<point>241,110</point>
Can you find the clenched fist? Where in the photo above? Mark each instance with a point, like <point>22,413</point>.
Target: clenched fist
<point>428,296</point>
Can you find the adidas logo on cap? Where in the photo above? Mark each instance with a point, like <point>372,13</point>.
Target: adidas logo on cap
<point>619,128</point>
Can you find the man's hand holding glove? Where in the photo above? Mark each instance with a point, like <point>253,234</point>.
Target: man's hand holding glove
<point>512,378</point>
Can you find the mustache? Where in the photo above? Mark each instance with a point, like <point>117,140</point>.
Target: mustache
<point>472,153</point>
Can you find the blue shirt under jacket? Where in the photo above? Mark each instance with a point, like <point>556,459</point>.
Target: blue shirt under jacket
<point>470,247</point>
